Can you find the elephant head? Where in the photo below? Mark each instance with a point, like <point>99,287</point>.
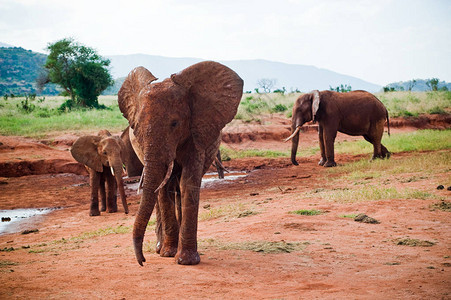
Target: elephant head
<point>305,109</point>
<point>177,120</point>
<point>102,151</point>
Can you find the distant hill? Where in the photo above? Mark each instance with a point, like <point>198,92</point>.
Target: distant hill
<point>292,77</point>
<point>417,86</point>
<point>18,71</point>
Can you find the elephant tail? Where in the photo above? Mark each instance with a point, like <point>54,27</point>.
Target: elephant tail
<point>388,122</point>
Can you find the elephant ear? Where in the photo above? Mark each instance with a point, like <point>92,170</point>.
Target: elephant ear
<point>315,104</point>
<point>136,80</point>
<point>214,93</point>
<point>84,150</point>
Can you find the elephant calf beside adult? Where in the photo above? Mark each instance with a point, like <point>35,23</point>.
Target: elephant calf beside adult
<point>353,113</point>
<point>103,156</point>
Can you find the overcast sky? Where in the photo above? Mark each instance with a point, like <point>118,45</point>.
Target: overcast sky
<point>380,41</point>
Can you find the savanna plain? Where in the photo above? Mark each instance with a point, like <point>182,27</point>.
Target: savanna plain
<point>270,230</point>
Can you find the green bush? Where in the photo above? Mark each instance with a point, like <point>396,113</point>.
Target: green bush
<point>280,108</point>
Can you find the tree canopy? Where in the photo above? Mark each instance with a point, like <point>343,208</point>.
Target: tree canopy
<point>79,70</point>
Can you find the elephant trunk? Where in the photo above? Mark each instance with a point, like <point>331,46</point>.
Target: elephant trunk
<point>116,166</point>
<point>152,177</point>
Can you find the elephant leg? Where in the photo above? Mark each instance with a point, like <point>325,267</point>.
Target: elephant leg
<point>321,146</point>
<point>102,193</point>
<point>375,137</point>
<point>111,191</point>
<point>94,178</point>
<point>329,135</point>
<point>169,226</point>
<point>385,152</point>
<point>190,188</point>
<point>218,166</point>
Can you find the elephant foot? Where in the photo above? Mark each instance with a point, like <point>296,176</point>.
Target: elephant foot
<point>168,251</point>
<point>112,210</point>
<point>377,157</point>
<point>322,162</point>
<point>103,208</point>
<point>94,212</point>
<point>187,257</point>
<point>329,164</point>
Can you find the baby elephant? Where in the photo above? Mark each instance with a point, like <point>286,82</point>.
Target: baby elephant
<point>104,156</point>
<point>353,113</point>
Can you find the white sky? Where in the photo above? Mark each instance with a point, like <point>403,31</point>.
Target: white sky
<point>380,41</point>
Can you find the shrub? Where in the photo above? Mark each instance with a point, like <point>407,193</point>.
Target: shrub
<point>279,108</point>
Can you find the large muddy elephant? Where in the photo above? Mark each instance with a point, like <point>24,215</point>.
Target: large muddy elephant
<point>103,156</point>
<point>353,113</point>
<point>176,126</point>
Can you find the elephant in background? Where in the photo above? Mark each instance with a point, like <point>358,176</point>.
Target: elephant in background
<point>133,165</point>
<point>353,113</point>
<point>175,130</point>
<point>103,156</point>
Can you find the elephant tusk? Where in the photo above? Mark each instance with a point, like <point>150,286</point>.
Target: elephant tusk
<point>219,163</point>
<point>293,134</point>
<point>166,178</point>
<point>140,184</point>
<point>112,171</point>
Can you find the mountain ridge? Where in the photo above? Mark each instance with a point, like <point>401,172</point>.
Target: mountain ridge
<point>291,76</point>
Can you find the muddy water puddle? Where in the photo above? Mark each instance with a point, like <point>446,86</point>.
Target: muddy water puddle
<point>15,220</point>
<point>208,180</point>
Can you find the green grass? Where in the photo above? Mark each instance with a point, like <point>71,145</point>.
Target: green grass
<point>407,104</point>
<point>307,212</point>
<point>254,105</point>
<point>74,242</point>
<point>229,153</point>
<point>420,140</point>
<point>371,193</point>
<point>256,246</point>
<point>102,232</point>
<point>46,119</point>
<point>238,210</point>
<point>425,163</point>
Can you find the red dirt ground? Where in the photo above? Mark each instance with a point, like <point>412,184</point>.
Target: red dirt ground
<point>339,259</point>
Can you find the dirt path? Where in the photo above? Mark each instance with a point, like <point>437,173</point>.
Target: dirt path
<point>251,246</point>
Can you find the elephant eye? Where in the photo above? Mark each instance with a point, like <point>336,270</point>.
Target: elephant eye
<point>104,152</point>
<point>174,123</point>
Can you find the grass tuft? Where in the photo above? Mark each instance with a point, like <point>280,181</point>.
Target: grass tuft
<point>371,193</point>
<point>307,212</point>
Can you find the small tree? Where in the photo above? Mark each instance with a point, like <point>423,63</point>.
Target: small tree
<point>266,84</point>
<point>411,84</point>
<point>341,89</point>
<point>433,84</point>
<point>78,69</point>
